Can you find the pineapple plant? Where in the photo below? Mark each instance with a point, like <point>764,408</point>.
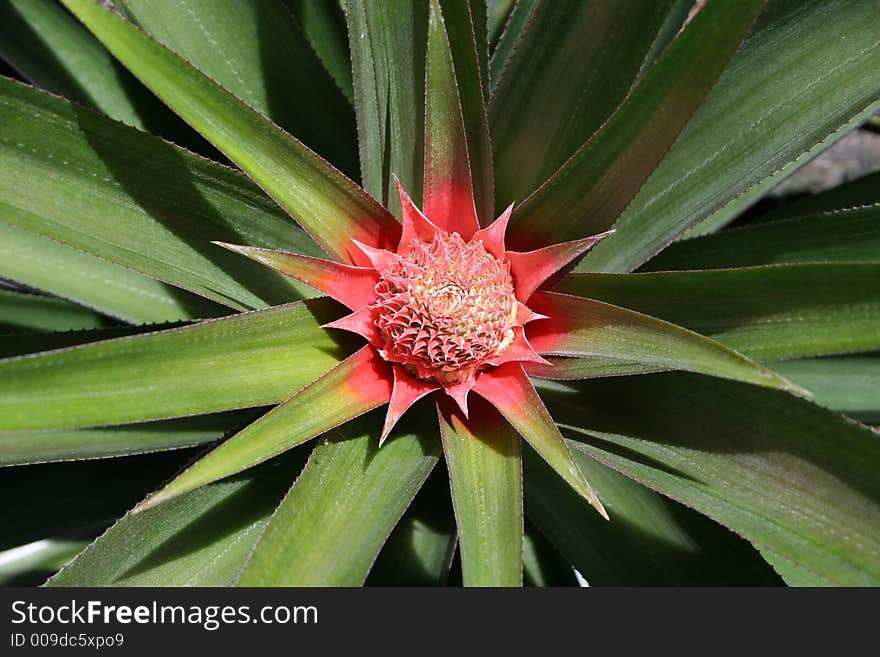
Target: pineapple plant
<point>306,292</point>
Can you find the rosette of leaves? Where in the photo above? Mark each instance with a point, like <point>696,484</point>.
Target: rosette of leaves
<point>192,192</point>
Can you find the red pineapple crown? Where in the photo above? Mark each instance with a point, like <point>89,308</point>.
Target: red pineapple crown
<point>446,309</point>
<point>442,305</point>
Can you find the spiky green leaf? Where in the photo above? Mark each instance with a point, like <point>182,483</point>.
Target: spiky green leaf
<point>571,67</point>
<point>323,24</point>
<point>421,548</point>
<point>44,264</point>
<point>258,52</point>
<point>69,174</point>
<point>849,384</point>
<point>579,327</point>
<point>809,71</point>
<point>235,362</point>
<point>767,313</point>
<point>836,235</point>
<point>355,386</point>
<point>587,194</point>
<point>797,480</point>
<point>387,42</point>
<point>330,207</point>
<point>199,539</point>
<point>51,49</point>
<point>484,458</point>
<point>25,447</point>
<point>21,312</point>
<point>345,503</point>
<point>650,540</point>
<point>462,21</point>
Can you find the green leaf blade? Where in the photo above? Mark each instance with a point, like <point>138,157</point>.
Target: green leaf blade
<point>28,447</point>
<point>387,42</point>
<point>767,313</point>
<point>809,74</point>
<point>31,312</point>
<point>329,206</point>
<point>420,550</point>
<point>848,196</point>
<point>649,541</point>
<point>448,187</point>
<point>572,65</point>
<point>346,502</point>
<point>796,480</point>
<point>461,23</point>
<point>47,45</point>
<point>357,385</point>
<point>258,52</point>
<point>59,269</point>
<point>200,539</point>
<point>581,328</point>
<point>587,194</point>
<point>847,384</point>
<point>236,362</point>
<point>517,16</point>
<point>485,473</point>
<point>80,179</point>
<point>834,236</point>
<point>323,24</point>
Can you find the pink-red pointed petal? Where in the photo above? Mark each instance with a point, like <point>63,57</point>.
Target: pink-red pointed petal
<point>493,235</point>
<point>532,269</point>
<point>448,189</point>
<point>459,392</point>
<point>407,391</point>
<point>518,351</point>
<point>509,390</point>
<point>524,314</point>
<point>450,206</point>
<point>416,226</point>
<point>369,381</point>
<point>381,259</point>
<point>361,322</point>
<point>349,285</point>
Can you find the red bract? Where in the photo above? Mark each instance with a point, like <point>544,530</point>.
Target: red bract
<point>447,308</point>
<point>447,311</point>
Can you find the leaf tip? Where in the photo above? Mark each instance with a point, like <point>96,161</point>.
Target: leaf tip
<point>232,247</point>
<point>591,497</point>
<point>169,492</point>
<point>796,389</point>
<point>781,383</point>
<point>153,500</point>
